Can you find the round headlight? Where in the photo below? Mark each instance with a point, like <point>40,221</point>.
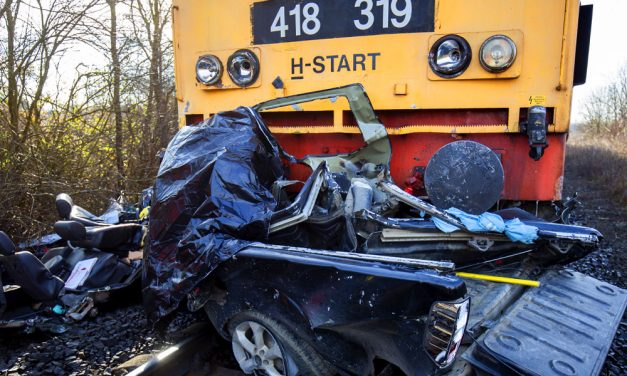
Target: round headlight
<point>449,56</point>
<point>497,53</point>
<point>243,67</point>
<point>208,69</point>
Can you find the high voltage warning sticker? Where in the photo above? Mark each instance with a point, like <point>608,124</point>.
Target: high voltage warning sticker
<point>537,100</point>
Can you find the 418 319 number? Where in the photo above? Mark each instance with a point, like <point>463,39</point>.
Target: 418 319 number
<point>277,21</point>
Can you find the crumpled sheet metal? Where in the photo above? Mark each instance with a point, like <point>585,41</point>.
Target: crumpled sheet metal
<point>213,195</point>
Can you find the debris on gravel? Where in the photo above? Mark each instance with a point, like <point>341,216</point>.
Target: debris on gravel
<point>90,347</point>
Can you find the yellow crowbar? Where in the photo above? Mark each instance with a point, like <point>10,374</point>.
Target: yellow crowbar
<point>494,278</point>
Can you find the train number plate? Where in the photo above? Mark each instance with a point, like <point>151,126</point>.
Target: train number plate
<point>276,21</point>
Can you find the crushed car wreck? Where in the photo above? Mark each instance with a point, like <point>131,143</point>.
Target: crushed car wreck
<point>345,271</point>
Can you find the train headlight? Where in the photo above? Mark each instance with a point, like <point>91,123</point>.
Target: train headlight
<point>208,69</point>
<point>449,56</point>
<point>243,67</point>
<point>497,53</point>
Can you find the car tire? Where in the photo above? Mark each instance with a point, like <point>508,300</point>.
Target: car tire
<point>280,350</point>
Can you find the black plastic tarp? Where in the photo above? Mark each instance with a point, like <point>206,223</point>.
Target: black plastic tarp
<point>213,196</point>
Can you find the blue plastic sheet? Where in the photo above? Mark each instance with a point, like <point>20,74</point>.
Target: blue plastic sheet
<point>514,229</point>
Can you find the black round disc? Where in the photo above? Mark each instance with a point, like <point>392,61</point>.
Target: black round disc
<point>466,175</point>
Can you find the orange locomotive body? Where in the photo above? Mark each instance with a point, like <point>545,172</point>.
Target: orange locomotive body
<point>436,71</point>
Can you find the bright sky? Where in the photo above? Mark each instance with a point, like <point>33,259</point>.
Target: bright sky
<point>607,49</point>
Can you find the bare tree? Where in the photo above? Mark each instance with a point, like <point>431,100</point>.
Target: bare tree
<point>605,112</point>
<point>92,135</point>
<point>116,101</point>
<point>150,19</point>
<point>3,7</point>
<point>142,106</point>
<point>36,36</point>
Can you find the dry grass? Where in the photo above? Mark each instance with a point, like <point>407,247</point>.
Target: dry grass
<point>601,160</point>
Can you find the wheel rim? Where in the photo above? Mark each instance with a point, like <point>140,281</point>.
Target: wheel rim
<point>257,350</point>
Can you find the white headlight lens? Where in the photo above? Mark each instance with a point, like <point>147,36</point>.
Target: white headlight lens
<point>497,53</point>
<point>243,68</point>
<point>449,56</point>
<point>208,69</point>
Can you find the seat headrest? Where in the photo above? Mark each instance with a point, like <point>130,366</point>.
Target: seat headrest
<point>64,205</point>
<point>7,248</point>
<point>70,230</point>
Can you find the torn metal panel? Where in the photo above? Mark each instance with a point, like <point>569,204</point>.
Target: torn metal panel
<point>378,149</point>
<point>438,265</point>
<point>369,125</point>
<point>302,206</point>
<point>420,204</point>
<point>393,235</point>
